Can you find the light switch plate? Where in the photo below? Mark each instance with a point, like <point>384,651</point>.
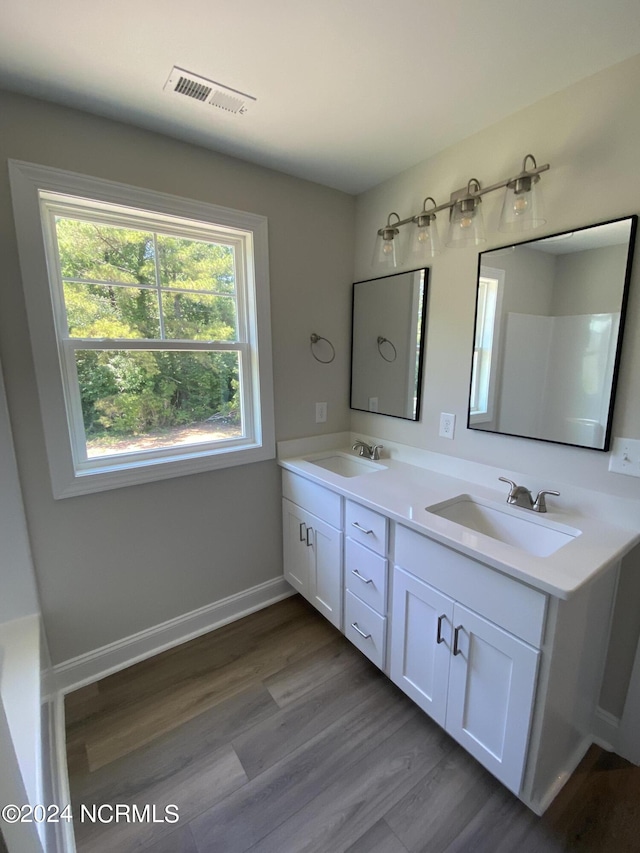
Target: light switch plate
<point>373,404</point>
<point>625,456</point>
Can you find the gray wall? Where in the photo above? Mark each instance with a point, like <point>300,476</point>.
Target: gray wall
<point>114,563</point>
<point>18,593</point>
<point>588,133</point>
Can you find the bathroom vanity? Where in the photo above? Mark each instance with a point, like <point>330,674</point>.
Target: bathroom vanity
<point>493,619</point>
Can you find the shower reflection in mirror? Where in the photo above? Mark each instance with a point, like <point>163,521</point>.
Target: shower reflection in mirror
<point>548,334</point>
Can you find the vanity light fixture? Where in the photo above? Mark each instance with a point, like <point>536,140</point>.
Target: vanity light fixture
<point>466,225</point>
<point>522,207</point>
<point>386,252</point>
<point>521,211</point>
<point>425,240</point>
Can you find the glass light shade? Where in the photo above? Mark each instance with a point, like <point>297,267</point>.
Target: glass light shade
<point>466,227</point>
<point>522,208</point>
<point>386,251</point>
<point>425,240</point>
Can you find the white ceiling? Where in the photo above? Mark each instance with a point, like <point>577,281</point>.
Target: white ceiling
<point>349,92</point>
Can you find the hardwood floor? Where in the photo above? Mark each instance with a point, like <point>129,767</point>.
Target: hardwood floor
<point>274,735</point>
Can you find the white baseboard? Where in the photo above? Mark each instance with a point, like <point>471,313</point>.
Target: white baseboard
<point>94,665</point>
<point>63,836</point>
<point>605,730</point>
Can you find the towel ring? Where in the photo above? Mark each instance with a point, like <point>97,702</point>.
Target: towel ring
<point>316,339</point>
<point>381,341</point>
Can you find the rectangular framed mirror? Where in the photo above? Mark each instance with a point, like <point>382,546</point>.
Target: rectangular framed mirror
<point>387,344</point>
<point>548,335</point>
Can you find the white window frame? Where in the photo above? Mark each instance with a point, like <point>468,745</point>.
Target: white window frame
<point>488,371</point>
<point>34,189</point>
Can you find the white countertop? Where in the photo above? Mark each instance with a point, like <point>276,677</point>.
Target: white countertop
<point>402,492</point>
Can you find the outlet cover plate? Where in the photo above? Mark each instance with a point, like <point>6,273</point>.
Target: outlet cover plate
<point>447,425</point>
<point>321,413</point>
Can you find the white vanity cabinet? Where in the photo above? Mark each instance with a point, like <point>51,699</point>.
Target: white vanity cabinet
<point>312,544</point>
<point>511,671</point>
<point>365,622</point>
<point>451,653</point>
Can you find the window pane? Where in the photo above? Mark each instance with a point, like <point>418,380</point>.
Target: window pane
<point>100,311</point>
<point>196,265</point>
<point>89,250</point>
<point>146,400</point>
<point>195,317</point>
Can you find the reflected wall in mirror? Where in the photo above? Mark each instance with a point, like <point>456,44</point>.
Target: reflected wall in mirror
<point>548,335</point>
<point>387,344</point>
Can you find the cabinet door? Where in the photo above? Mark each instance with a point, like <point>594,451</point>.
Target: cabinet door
<point>325,583</point>
<point>421,638</point>
<point>296,551</point>
<point>312,552</point>
<point>491,688</point>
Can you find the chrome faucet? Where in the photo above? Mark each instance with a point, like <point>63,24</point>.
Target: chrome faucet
<point>364,449</point>
<point>521,496</point>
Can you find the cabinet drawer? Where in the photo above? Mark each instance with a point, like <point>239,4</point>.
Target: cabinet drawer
<point>361,620</point>
<point>366,575</point>
<point>509,603</point>
<point>366,526</point>
<point>320,501</point>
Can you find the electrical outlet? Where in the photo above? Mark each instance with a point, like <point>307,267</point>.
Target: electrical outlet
<point>321,413</point>
<point>625,457</point>
<point>447,425</point>
<point>373,404</point>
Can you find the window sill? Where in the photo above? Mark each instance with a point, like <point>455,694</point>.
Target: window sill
<point>122,474</point>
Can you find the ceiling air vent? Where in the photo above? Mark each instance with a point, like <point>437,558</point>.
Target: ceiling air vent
<point>208,92</point>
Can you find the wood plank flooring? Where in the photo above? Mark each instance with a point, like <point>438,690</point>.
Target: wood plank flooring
<point>274,735</point>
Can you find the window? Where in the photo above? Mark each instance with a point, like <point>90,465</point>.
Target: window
<point>157,309</point>
<point>486,345</point>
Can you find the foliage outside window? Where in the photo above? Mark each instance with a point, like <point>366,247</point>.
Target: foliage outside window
<point>156,324</point>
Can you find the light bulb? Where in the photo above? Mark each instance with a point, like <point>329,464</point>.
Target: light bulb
<point>387,247</point>
<point>520,205</point>
<point>466,221</point>
<point>423,235</point>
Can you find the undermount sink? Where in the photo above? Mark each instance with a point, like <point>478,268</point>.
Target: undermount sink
<point>346,465</point>
<point>528,532</point>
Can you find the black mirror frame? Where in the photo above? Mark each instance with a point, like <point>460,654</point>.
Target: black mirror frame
<point>421,354</point>
<point>623,313</point>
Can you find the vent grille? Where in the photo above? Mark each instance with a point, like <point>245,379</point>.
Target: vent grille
<point>191,89</point>
<point>207,92</point>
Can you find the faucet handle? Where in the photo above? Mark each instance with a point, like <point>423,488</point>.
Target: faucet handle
<point>375,451</point>
<point>512,490</point>
<point>540,504</point>
<point>518,495</point>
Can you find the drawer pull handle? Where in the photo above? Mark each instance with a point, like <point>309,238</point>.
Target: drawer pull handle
<point>358,575</point>
<point>302,527</point>
<point>439,637</point>
<point>456,650</point>
<point>309,530</point>
<point>355,627</point>
<point>361,528</point>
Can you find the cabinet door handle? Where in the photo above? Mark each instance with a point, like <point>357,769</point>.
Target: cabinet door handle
<point>309,530</point>
<point>302,528</point>
<point>361,528</point>
<point>456,650</point>
<point>439,637</point>
<point>358,575</point>
<point>355,627</point>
